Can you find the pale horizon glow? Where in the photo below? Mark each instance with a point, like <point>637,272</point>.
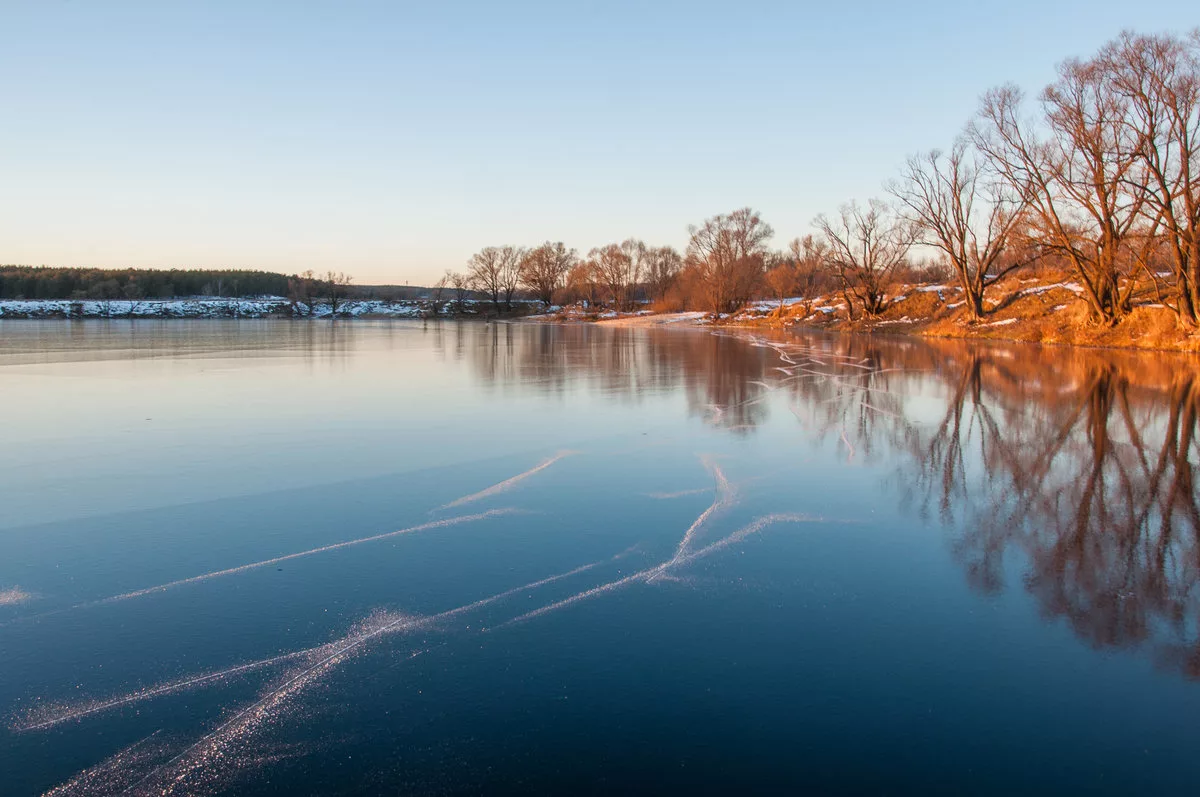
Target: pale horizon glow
<point>391,141</point>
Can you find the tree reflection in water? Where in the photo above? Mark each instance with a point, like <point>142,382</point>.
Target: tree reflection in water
<point>1094,482</point>
<point>1084,461</point>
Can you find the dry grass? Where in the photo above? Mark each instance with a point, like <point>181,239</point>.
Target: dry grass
<point>672,303</point>
<point>1022,307</point>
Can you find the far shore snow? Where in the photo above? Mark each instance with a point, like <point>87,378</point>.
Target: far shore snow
<point>661,319</point>
<point>205,307</point>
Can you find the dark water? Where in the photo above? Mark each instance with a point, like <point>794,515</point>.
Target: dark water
<point>641,561</point>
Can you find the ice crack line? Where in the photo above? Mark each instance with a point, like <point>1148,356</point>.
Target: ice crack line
<point>507,484</point>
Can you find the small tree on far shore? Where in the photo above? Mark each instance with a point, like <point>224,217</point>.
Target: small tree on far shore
<point>337,288</point>
<point>303,290</point>
<point>544,269</point>
<point>460,283</point>
<point>133,293</point>
<point>662,266</point>
<point>437,295</point>
<point>808,256</point>
<point>496,271</point>
<point>781,280</point>
<point>726,254</point>
<point>616,268</point>
<point>583,282</point>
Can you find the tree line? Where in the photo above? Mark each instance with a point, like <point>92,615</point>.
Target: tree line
<point>1100,177</point>
<point>305,291</point>
<point>33,282</point>
<point>616,275</point>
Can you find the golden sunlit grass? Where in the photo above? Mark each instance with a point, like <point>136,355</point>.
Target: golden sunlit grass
<point>1038,308</point>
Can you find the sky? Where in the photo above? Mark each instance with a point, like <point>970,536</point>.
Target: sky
<point>392,140</point>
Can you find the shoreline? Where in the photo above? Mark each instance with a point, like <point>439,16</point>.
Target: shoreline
<point>207,307</point>
<point>1035,312</point>
<point>1189,346</point>
<point>1047,310</point>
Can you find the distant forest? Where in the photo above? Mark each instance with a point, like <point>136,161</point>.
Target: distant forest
<point>29,282</point>
<point>46,282</point>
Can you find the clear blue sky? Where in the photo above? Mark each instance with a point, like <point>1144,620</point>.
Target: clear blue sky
<point>392,140</point>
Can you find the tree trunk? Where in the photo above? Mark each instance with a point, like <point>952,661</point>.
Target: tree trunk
<point>1189,288</point>
<point>975,299</point>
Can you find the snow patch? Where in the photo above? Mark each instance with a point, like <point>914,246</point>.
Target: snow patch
<point>259,307</point>
<point>1073,287</point>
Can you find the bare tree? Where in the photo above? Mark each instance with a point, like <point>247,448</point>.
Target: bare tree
<point>303,290</point>
<point>134,293</point>
<point>727,254</point>
<point>637,252</point>
<point>582,281</point>
<point>484,273</point>
<point>496,271</point>
<point>105,292</point>
<point>964,213</point>
<point>544,269</point>
<point>781,279</point>
<point>460,283</point>
<point>510,273</point>
<point>615,269</point>
<point>866,246</point>
<point>808,256</point>
<point>1159,77</point>
<point>337,287</point>
<point>662,265</point>
<point>437,295</point>
<point>1084,184</point>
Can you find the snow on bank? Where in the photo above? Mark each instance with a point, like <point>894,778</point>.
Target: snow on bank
<point>658,319</point>
<point>1073,287</point>
<point>768,305</point>
<point>262,307</point>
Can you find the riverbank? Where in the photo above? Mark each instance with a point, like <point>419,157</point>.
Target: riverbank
<point>1029,311</point>
<point>1046,310</point>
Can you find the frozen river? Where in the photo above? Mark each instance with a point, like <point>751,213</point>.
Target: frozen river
<point>311,557</point>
